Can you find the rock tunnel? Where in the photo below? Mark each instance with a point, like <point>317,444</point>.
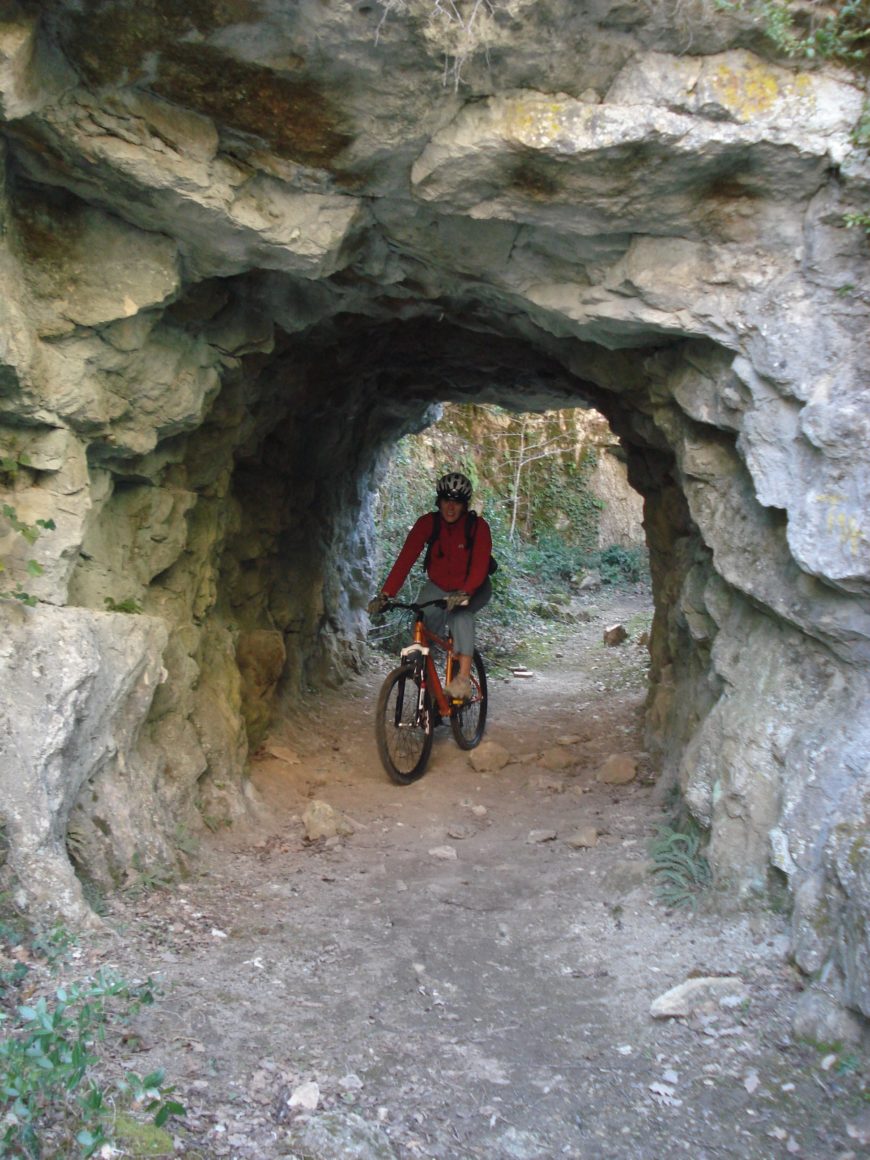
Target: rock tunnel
<point>245,249</point>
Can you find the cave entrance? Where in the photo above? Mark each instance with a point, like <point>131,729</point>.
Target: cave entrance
<point>310,425</point>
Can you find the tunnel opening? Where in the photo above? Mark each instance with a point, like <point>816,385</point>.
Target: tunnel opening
<point>251,532</point>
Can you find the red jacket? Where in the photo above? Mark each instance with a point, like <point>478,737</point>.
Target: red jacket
<point>448,560</point>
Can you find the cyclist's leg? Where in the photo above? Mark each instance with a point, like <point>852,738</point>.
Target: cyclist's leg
<point>462,630</point>
<point>434,618</point>
<point>462,626</point>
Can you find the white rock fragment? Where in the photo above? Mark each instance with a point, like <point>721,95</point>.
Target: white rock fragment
<point>460,831</point>
<point>664,1094</point>
<point>537,836</point>
<point>446,853</point>
<point>696,995</point>
<point>305,1096</point>
<point>283,753</point>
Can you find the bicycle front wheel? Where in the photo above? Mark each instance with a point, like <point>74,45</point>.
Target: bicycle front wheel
<point>468,721</point>
<point>403,725</point>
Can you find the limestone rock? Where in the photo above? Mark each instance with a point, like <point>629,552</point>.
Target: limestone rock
<point>321,820</point>
<point>617,769</point>
<point>444,853</point>
<point>584,838</point>
<point>557,757</point>
<point>489,757</point>
<point>821,1020</point>
<point>615,634</point>
<point>261,657</point>
<point>88,679</point>
<point>697,995</point>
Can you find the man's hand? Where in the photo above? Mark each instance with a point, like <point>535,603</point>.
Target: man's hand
<point>456,600</point>
<point>378,603</point>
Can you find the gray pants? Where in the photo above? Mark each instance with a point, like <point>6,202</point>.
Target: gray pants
<point>460,622</point>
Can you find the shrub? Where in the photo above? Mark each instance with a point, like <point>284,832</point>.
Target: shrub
<point>619,565</point>
<point>54,1099</point>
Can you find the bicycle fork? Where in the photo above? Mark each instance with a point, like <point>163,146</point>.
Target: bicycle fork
<point>419,654</point>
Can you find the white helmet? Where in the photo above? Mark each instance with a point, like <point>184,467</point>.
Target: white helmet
<point>454,486</point>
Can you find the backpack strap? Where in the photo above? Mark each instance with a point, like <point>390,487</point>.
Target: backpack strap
<point>470,530</point>
<point>435,533</point>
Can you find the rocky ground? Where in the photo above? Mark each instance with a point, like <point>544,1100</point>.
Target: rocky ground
<point>467,968</point>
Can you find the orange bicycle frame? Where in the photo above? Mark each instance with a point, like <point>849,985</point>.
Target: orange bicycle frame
<point>424,639</point>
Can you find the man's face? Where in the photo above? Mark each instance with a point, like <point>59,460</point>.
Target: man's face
<point>451,509</point>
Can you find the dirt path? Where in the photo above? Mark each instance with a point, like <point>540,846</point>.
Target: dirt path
<point>455,976</point>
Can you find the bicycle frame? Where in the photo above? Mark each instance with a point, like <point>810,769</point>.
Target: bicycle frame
<point>423,640</point>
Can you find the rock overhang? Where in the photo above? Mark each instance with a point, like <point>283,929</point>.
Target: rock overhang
<point>656,234</point>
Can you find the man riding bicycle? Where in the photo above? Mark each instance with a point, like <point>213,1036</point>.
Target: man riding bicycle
<point>457,564</point>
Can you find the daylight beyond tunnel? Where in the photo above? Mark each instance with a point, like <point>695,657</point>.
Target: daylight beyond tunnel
<point>231,290</point>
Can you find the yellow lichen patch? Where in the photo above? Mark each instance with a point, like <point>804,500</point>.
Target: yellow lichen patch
<point>535,124</point>
<point>749,92</point>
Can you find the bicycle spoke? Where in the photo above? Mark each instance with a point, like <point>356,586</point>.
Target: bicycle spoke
<point>403,726</point>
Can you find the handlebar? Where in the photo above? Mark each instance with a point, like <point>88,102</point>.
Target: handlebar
<point>440,602</point>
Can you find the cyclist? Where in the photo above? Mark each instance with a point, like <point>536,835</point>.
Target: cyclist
<point>457,564</point>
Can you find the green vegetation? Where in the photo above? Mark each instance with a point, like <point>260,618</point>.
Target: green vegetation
<point>11,466</point>
<point>680,870</point>
<point>63,1094</point>
<point>533,486</point>
<point>839,31</point>
<point>129,605</point>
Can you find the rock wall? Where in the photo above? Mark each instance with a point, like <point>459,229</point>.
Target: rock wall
<point>247,246</point>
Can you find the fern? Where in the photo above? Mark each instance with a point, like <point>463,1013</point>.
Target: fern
<point>680,868</point>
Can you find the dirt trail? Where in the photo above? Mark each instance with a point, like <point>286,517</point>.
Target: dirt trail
<point>456,982</point>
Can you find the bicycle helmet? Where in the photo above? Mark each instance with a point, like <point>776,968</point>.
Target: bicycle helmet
<point>454,486</point>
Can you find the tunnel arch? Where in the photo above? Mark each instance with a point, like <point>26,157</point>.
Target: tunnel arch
<point>212,334</point>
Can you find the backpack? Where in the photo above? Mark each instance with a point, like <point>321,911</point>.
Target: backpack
<point>470,529</point>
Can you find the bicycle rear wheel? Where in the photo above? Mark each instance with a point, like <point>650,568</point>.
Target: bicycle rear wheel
<point>403,726</point>
<point>468,721</point>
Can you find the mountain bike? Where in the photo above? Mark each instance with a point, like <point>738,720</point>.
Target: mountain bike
<point>412,701</point>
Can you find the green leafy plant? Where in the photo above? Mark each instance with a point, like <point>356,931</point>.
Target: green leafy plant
<point>861,220</point>
<point>54,945</point>
<point>837,31</point>
<point>621,565</point>
<point>31,533</point>
<point>149,878</point>
<point>53,1098</point>
<point>129,605</point>
<point>680,869</point>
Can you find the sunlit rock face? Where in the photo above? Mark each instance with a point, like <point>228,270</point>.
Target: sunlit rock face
<point>247,244</point>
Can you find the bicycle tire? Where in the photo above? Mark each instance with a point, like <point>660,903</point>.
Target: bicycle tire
<point>404,742</point>
<point>468,721</point>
